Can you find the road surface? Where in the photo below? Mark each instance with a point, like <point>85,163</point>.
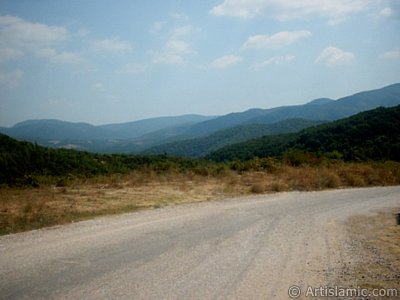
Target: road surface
<point>245,248</point>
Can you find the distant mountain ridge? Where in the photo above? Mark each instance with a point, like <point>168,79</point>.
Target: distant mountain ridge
<point>369,135</point>
<point>137,136</point>
<point>320,101</point>
<point>121,137</point>
<point>56,129</point>
<point>136,129</point>
<point>326,110</point>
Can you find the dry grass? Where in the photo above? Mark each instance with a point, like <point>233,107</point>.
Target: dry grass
<point>25,209</point>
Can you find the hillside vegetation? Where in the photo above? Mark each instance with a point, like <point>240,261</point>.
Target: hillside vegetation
<point>202,146</point>
<point>24,163</point>
<point>370,135</point>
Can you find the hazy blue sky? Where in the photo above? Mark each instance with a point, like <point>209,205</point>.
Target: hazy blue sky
<point>116,61</point>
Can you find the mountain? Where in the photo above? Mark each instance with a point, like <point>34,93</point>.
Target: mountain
<point>139,128</point>
<point>202,146</point>
<point>370,135</point>
<point>320,101</point>
<point>137,136</point>
<point>320,109</point>
<point>104,138</point>
<point>55,129</point>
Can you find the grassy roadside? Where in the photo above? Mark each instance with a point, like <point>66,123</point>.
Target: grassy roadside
<point>24,209</point>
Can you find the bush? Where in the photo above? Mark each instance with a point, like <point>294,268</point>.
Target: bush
<point>257,188</point>
<point>329,179</point>
<point>296,158</point>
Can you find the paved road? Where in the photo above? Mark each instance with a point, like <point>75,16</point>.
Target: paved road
<point>247,248</point>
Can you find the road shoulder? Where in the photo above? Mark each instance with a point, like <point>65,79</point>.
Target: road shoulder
<point>374,243</point>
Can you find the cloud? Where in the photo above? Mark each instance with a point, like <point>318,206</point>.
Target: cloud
<point>132,68</point>
<point>173,53</point>
<point>390,11</point>
<point>178,47</point>
<point>10,54</point>
<point>225,61</point>
<point>11,79</point>
<point>175,48</point>
<point>277,40</point>
<point>391,55</point>
<point>82,32</point>
<point>115,45</point>
<point>179,16</point>
<point>24,35</point>
<point>290,9</point>
<point>67,57</point>
<point>18,36</point>
<point>64,57</point>
<point>183,31</point>
<point>276,60</point>
<point>165,58</point>
<point>386,12</point>
<point>98,87</point>
<point>157,26</point>
<point>332,56</point>
<point>45,53</point>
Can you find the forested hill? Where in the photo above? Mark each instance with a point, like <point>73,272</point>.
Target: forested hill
<point>370,135</point>
<point>199,147</point>
<point>24,163</point>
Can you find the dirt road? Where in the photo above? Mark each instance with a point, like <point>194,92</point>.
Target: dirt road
<point>247,248</point>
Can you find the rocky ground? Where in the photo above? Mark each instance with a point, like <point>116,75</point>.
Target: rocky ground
<point>374,248</point>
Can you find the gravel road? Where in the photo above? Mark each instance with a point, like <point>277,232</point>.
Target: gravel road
<point>244,248</point>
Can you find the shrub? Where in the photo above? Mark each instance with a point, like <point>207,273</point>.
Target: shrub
<point>329,179</point>
<point>296,158</point>
<point>278,186</point>
<point>257,188</point>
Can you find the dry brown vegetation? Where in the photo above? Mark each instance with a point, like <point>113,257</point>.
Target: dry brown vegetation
<point>28,208</point>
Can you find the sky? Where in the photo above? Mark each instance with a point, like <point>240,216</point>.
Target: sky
<point>123,60</point>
